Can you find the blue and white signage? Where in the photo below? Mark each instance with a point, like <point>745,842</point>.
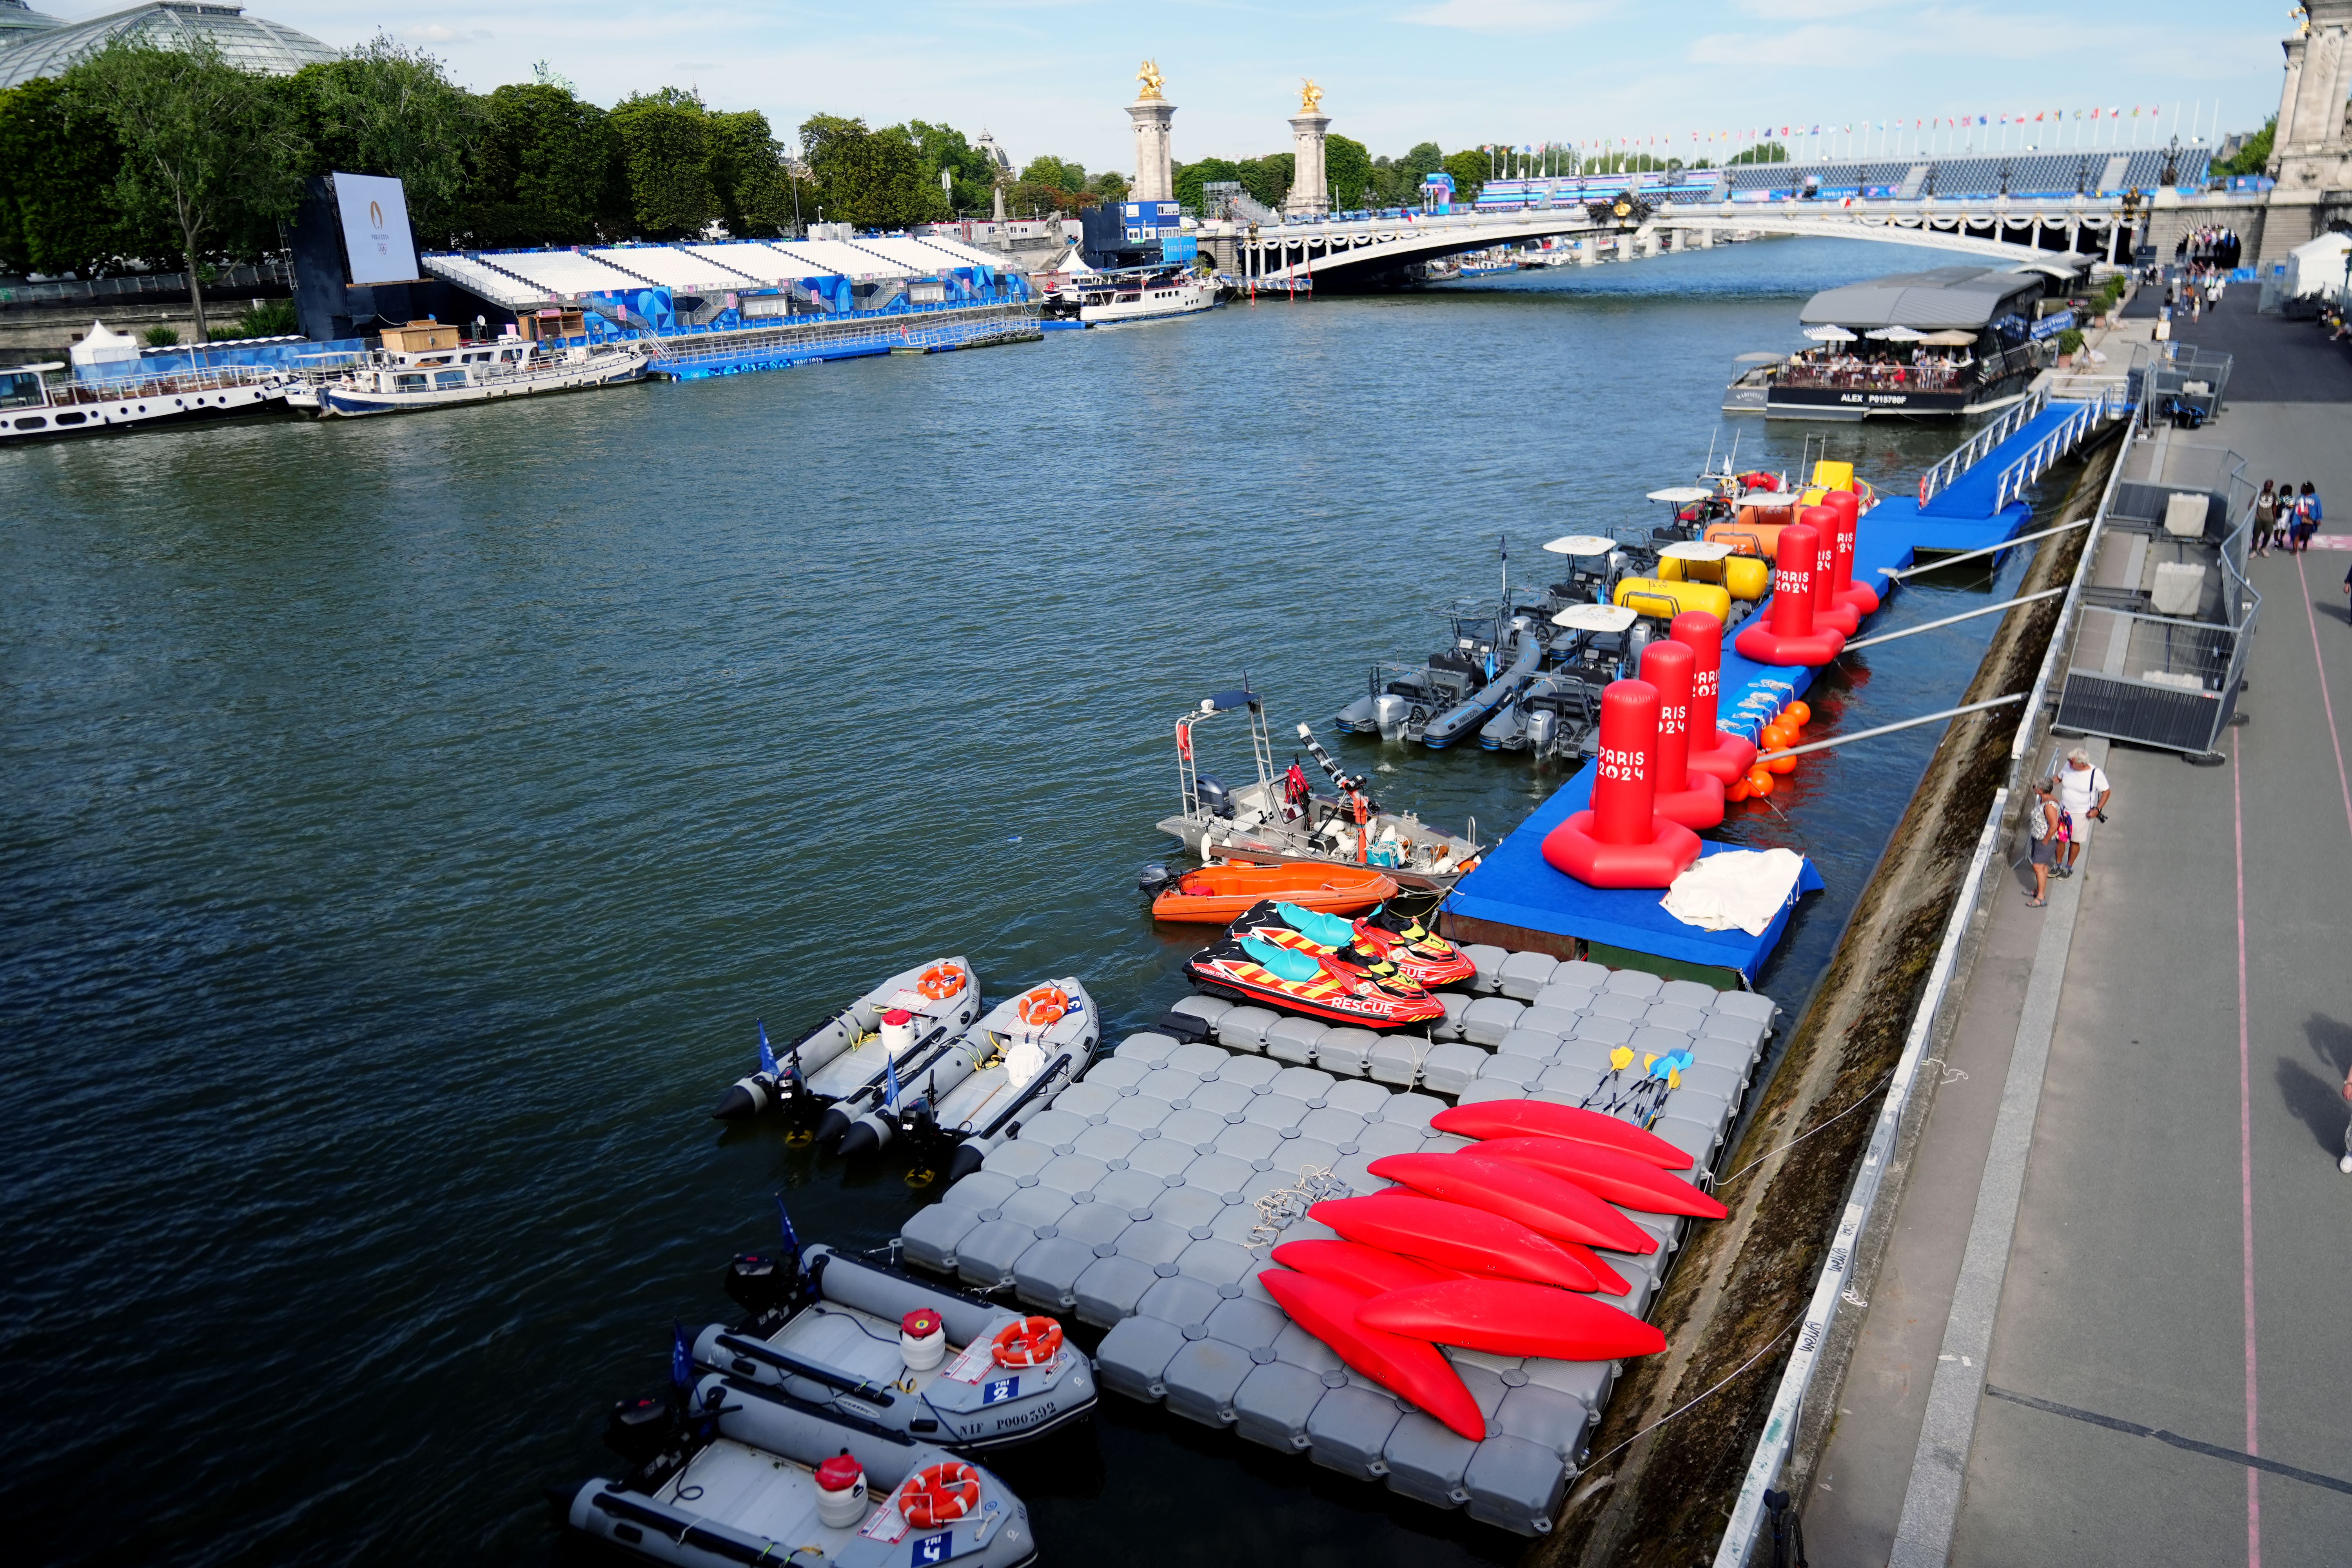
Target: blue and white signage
<point>375,228</point>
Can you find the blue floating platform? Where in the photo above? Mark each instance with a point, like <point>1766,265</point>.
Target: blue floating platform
<point>1517,898</point>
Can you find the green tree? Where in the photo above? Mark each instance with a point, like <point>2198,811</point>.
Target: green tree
<point>1190,177</point>
<point>59,158</point>
<point>973,173</point>
<point>1049,170</point>
<point>747,170</point>
<point>547,171</point>
<point>1762,153</point>
<point>1268,179</point>
<point>1110,185</point>
<point>664,140</point>
<point>207,148</point>
<point>2254,157</point>
<point>384,110</point>
<point>1041,198</point>
<point>1347,165</point>
<point>1469,171</point>
<point>874,179</point>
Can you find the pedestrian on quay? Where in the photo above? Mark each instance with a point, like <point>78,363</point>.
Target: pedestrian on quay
<point>2345,1164</point>
<point>2042,831</point>
<point>2265,517</point>
<point>2347,589</point>
<point>2308,513</point>
<point>2082,792</point>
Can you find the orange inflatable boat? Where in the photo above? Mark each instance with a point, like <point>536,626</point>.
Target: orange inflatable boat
<point>1223,894</point>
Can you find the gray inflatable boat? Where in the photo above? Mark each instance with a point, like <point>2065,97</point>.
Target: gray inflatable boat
<point>843,1055</point>
<point>750,1475</point>
<point>834,1333</point>
<point>969,1095</point>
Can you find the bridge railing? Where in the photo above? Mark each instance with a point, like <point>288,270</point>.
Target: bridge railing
<point>1973,451</point>
<point>2010,484</point>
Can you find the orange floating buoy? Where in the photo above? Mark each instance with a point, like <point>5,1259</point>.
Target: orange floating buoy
<point>1775,736</point>
<point>1797,713</point>
<point>1736,789</point>
<point>1760,782</point>
<point>939,1495</point>
<point>1783,765</point>
<point>1031,1342</point>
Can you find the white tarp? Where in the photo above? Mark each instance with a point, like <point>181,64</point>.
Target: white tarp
<point>2316,267</point>
<point>1741,888</point>
<point>375,228</point>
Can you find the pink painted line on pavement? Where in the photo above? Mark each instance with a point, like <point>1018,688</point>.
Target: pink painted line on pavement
<point>2246,1165</point>
<point>2343,783</point>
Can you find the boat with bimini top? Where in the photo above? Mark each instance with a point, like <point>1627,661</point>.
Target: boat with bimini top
<point>427,364</point>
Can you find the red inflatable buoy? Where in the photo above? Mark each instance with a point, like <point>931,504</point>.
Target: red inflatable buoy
<point>1622,842</point>
<point>1829,610</point>
<point>1861,596</point>
<point>1791,637</point>
<point>1695,800</point>
<point>1712,749</point>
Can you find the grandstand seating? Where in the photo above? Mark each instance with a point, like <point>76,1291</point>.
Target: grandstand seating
<point>959,254</point>
<point>566,272</point>
<point>686,269</point>
<point>488,282</point>
<point>849,260</point>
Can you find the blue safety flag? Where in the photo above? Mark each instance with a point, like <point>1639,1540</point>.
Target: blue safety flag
<point>681,1359</point>
<point>767,1056</point>
<point>784,1222</point>
<point>890,1086</point>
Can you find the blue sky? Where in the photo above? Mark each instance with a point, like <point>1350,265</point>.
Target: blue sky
<point>1050,76</point>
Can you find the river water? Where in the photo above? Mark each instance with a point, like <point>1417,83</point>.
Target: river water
<point>405,820</point>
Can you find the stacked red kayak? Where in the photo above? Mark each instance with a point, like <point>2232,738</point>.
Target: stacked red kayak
<point>1487,1248</point>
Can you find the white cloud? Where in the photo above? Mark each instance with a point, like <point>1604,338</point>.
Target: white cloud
<point>1506,16</point>
<point>434,33</point>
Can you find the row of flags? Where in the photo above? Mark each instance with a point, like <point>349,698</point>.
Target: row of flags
<point>1767,133</point>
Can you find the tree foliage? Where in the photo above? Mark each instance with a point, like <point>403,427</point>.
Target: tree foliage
<point>58,159</point>
<point>972,172</point>
<point>1347,165</point>
<point>208,149</point>
<point>1762,153</point>
<point>547,171</point>
<point>746,168</point>
<point>2254,157</point>
<point>384,110</point>
<point>1469,169</point>
<point>874,179</point>
<point>665,159</point>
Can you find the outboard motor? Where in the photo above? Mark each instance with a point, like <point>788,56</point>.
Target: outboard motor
<point>1389,711</point>
<point>1543,728</point>
<point>641,1429</point>
<point>1214,796</point>
<point>762,1282</point>
<point>1637,637</point>
<point>1154,878</point>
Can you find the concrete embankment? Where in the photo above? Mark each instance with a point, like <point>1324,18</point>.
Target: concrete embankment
<point>1669,1455</point>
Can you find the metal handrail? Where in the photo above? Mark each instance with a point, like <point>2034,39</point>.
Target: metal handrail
<point>1970,452</point>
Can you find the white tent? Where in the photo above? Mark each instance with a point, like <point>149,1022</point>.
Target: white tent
<point>104,348</point>
<point>2318,267</point>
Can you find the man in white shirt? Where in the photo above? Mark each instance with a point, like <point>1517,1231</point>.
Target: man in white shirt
<point>2082,792</point>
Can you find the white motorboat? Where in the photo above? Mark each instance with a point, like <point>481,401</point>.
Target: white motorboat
<point>1142,294</point>
<point>426,365</point>
<point>32,408</point>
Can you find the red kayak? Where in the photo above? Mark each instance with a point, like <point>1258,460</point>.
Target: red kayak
<point>1548,1204</point>
<point>1539,1117</point>
<point>1465,1239</point>
<point>1368,1270</point>
<point>1620,1178</point>
<point>1409,1368</point>
<point>1504,1318</point>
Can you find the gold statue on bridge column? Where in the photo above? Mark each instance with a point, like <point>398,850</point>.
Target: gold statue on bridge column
<point>1310,97</point>
<point>1152,83</point>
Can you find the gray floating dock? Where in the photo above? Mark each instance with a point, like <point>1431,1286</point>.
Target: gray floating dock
<point>1146,1198</point>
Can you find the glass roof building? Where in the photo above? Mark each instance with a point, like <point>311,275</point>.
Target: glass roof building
<point>51,48</point>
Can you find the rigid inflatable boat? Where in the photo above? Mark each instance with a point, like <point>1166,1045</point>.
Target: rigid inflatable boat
<point>1221,894</point>
<point>1418,953</point>
<point>733,1472</point>
<point>846,1051</point>
<point>916,1025</point>
<point>863,1340</point>
<point>1326,986</point>
<point>972,1091</point>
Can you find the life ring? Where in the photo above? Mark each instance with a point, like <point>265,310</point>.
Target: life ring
<point>939,1495</point>
<point>1031,1342</point>
<point>1046,1004</point>
<point>940,980</point>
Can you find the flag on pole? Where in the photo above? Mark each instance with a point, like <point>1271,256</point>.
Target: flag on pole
<point>890,1086</point>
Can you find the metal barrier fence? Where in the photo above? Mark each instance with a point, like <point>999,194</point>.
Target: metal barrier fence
<point>145,285</point>
<point>2012,480</point>
<point>1995,431</point>
<point>2183,376</point>
<point>2171,615</point>
<point>769,347</point>
<point>1773,1446</point>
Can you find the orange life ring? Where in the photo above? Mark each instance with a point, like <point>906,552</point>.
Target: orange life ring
<point>940,982</point>
<point>1046,1004</point>
<point>939,1495</point>
<point>1031,1342</point>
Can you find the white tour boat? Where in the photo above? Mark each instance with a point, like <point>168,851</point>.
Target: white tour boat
<point>426,365</point>
<point>1142,294</point>
<point>33,408</point>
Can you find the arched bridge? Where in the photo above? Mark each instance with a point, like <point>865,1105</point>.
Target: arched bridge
<point>1373,251</point>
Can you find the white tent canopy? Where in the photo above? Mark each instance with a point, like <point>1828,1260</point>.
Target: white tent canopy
<point>1897,334</point>
<point>1829,332</point>
<point>2317,266</point>
<point>104,347</point>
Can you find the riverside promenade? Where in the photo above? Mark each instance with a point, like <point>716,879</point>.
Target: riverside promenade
<point>2112,1322</point>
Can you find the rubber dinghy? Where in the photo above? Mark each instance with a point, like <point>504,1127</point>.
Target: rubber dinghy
<point>855,1080</point>
<point>865,1341</point>
<point>940,999</point>
<point>1334,987</point>
<point>1420,954</point>
<point>731,1472</point>
<point>973,1091</point>
<point>1466,716</point>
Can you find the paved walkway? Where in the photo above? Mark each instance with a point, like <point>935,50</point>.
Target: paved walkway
<point>2128,1215</point>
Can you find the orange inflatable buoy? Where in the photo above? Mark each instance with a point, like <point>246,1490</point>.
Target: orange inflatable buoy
<point>1782,765</point>
<point>1797,713</point>
<point>1760,781</point>
<point>939,1495</point>
<point>1031,1342</point>
<point>1736,789</point>
<point>1775,736</point>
